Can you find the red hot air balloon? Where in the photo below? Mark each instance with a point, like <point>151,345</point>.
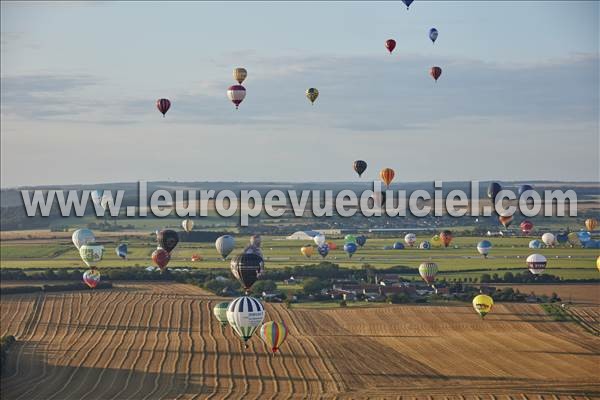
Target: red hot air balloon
<point>435,72</point>
<point>446,237</point>
<point>161,258</point>
<point>526,227</point>
<point>390,45</point>
<point>163,106</point>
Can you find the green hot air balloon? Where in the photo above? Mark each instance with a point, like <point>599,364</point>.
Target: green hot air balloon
<point>220,312</point>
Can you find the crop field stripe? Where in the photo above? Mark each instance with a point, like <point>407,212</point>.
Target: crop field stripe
<point>186,345</point>
<point>211,326</point>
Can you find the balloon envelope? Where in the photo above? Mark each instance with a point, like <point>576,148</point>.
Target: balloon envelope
<point>390,45</point>
<point>526,227</point>
<point>387,175</point>
<point>247,268</point>
<point>91,254</point>
<point>360,167</point>
<point>163,105</point>
<point>220,312</point>
<point>548,239</point>
<point>161,258</point>
<point>187,225</point>
<point>524,188</point>
<point>312,94</point>
<point>361,240</point>
<point>323,250</point>
<point>425,245</point>
<point>236,94</point>
<point>433,34</point>
<point>167,239</point>
<point>410,239</point>
<point>319,239</point>
<point>82,236</point>
<point>224,245</point>
<point>493,189</point>
<point>483,304</point>
<point>350,248</point>
<point>240,74</point>
<point>91,278</point>
<point>428,271</point>
<point>535,244</point>
<point>435,72</point>
<point>536,263</point>
<point>307,251</point>
<point>484,247</point>
<point>245,314</point>
<point>591,224</point>
<point>273,334</point>
<point>407,3</point>
<point>121,250</point>
<point>398,246</point>
<point>584,236</point>
<point>446,238</point>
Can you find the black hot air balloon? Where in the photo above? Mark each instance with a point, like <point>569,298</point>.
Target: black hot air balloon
<point>493,189</point>
<point>360,166</point>
<point>167,239</point>
<point>247,268</point>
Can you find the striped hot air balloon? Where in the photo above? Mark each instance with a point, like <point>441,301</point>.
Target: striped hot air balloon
<point>387,176</point>
<point>237,94</point>
<point>245,314</point>
<point>428,271</point>
<point>591,224</point>
<point>536,264</point>
<point>91,278</point>
<point>163,106</point>
<point>247,268</point>
<point>273,334</point>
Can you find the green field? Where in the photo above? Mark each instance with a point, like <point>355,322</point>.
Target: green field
<point>461,259</point>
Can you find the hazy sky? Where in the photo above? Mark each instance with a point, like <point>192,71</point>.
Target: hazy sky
<point>518,97</point>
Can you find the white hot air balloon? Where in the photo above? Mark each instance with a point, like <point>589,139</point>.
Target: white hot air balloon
<point>91,254</point>
<point>245,314</point>
<point>319,240</point>
<point>225,245</point>
<point>536,264</point>
<point>410,239</point>
<point>187,225</point>
<point>548,239</point>
<point>82,236</point>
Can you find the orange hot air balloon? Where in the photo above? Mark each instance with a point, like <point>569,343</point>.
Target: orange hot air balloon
<point>387,175</point>
<point>591,224</point>
<point>505,220</point>
<point>435,72</point>
<point>446,238</point>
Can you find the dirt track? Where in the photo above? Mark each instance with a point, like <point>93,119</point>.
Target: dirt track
<point>161,341</point>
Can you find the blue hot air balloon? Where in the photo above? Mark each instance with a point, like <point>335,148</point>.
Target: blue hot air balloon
<point>323,250</point>
<point>433,34</point>
<point>493,189</point>
<point>562,237</point>
<point>398,246</point>
<point>484,247</point>
<point>121,251</point>
<point>591,244</point>
<point>523,188</point>
<point>535,244</point>
<point>425,245</point>
<point>361,240</point>
<point>407,3</point>
<point>584,236</point>
<point>350,248</point>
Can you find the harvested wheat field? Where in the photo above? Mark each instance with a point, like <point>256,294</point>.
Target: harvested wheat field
<point>154,340</point>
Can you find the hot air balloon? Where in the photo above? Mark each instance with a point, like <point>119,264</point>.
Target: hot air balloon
<point>91,254</point>
<point>446,238</point>
<point>387,175</point>
<point>254,246</point>
<point>428,271</point>
<point>361,240</point>
<point>535,244</point>
<point>390,45</point>
<point>163,106</point>
<point>493,189</point>
<point>245,314</point>
<point>524,188</point>
<point>332,245</point>
<point>220,312</point>
<point>598,263</point>
<point>323,250</point>
<point>196,257</point>
<point>91,277</point>
<point>161,258</point>
<point>236,94</point>
<point>398,246</point>
<point>591,224</point>
<point>319,239</point>
<point>187,225</point>
<point>350,248</point>
<point>425,245</point>
<point>312,94</point>
<point>548,239</point>
<point>273,334</point>
<point>167,239</point>
<point>410,239</point>
<point>350,239</point>
<point>526,227</point>
<point>484,247</point>
<point>239,74</point>
<point>225,245</point>
<point>360,167</point>
<point>573,239</point>
<point>121,251</point>
<point>307,251</point>
<point>435,73</point>
<point>562,238</point>
<point>433,34</point>
<point>536,263</point>
<point>483,304</point>
<point>584,236</point>
<point>255,240</point>
<point>82,236</point>
<point>407,3</point>
<point>247,269</point>
<point>505,220</point>
<point>436,241</point>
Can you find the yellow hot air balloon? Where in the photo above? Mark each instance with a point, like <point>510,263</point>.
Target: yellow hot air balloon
<point>483,304</point>
<point>436,241</point>
<point>591,224</point>
<point>387,175</point>
<point>598,263</point>
<point>312,94</point>
<point>307,251</point>
<point>239,74</point>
